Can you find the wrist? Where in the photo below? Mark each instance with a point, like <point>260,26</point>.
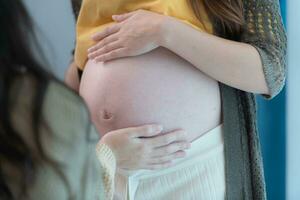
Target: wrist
<point>105,140</point>
<point>165,27</point>
<point>106,157</point>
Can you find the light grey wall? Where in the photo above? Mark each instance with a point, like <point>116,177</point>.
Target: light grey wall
<point>293,102</point>
<point>56,31</point>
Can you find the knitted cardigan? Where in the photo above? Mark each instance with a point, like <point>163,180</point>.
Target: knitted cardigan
<point>264,30</point>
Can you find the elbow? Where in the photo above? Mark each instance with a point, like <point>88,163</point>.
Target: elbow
<point>265,90</point>
<point>275,75</point>
<point>274,71</point>
<point>273,86</point>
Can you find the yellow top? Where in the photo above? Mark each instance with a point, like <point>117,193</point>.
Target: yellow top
<point>95,15</point>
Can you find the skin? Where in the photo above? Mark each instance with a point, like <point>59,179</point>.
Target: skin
<point>71,77</point>
<point>158,86</point>
<point>141,31</point>
<point>143,148</point>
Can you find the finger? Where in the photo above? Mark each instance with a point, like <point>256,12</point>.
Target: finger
<point>107,31</point>
<point>105,49</point>
<point>170,157</point>
<point>103,42</point>
<point>148,130</point>
<point>167,138</point>
<point>170,149</point>
<point>122,17</point>
<point>117,53</point>
<point>158,166</point>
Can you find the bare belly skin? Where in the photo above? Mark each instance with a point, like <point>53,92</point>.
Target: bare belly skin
<point>156,87</point>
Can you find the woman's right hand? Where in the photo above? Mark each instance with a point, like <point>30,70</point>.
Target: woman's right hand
<point>145,147</point>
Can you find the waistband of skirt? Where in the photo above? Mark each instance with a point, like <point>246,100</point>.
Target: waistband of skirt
<point>207,145</point>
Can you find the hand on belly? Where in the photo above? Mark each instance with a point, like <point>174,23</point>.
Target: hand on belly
<point>157,87</point>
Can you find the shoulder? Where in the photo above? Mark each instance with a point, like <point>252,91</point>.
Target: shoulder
<point>63,113</point>
<point>58,93</point>
<point>68,143</point>
<point>64,134</point>
<point>66,113</point>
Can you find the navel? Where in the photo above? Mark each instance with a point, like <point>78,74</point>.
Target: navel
<point>106,115</point>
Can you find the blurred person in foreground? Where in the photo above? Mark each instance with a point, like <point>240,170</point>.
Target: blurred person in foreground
<point>47,140</point>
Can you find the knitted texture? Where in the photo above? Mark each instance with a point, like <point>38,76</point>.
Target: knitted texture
<point>263,30</point>
<point>66,138</point>
<point>108,163</point>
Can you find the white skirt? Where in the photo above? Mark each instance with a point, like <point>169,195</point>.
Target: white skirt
<point>200,175</point>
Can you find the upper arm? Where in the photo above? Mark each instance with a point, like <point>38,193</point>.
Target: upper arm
<point>69,144</point>
<point>65,112</point>
<point>72,77</point>
<point>264,30</point>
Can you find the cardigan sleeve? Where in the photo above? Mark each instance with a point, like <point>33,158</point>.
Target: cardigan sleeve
<point>75,126</point>
<point>264,30</point>
<point>67,141</point>
<point>108,164</point>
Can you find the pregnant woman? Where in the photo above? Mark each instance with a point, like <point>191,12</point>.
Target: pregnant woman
<point>185,64</point>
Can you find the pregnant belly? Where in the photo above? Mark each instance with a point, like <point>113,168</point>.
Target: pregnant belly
<point>156,87</point>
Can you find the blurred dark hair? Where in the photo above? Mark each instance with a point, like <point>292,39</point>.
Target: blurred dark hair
<point>17,58</point>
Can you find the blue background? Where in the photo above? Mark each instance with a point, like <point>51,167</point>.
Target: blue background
<point>272,128</point>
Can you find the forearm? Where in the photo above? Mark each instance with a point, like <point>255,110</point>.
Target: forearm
<point>233,63</point>
<point>71,77</point>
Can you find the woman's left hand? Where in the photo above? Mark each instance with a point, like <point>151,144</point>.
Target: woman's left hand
<point>135,33</point>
